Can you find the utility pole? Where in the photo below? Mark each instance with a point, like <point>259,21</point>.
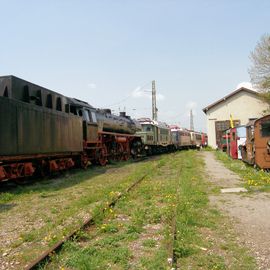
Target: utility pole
<point>191,120</point>
<point>154,101</point>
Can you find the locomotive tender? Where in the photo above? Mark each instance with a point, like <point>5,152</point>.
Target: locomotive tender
<point>43,131</point>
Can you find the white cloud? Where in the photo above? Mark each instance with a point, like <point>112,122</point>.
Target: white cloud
<point>160,97</point>
<point>191,105</point>
<point>92,85</point>
<point>145,93</point>
<point>246,85</point>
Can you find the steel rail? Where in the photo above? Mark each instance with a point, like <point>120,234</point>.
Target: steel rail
<point>172,260</point>
<point>87,223</point>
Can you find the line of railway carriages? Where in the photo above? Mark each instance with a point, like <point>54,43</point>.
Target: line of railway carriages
<point>43,132</point>
<point>251,142</point>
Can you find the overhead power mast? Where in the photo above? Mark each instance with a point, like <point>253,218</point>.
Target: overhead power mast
<point>154,101</point>
<point>191,120</point>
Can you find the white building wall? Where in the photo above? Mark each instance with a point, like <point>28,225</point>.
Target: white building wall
<point>242,106</point>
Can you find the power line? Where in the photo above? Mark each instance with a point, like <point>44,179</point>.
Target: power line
<point>127,97</point>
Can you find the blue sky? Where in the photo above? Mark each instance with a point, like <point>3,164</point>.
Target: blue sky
<point>108,52</point>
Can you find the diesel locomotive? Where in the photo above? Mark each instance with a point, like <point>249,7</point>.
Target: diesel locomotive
<point>156,136</point>
<point>43,131</point>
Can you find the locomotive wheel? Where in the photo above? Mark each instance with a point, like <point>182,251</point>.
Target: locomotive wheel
<point>126,156</point>
<point>102,156</point>
<point>120,152</point>
<point>43,168</point>
<point>84,160</point>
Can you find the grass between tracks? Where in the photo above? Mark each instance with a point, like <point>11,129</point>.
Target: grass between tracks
<point>254,179</point>
<point>36,216</point>
<point>137,232</point>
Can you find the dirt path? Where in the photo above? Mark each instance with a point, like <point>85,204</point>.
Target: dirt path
<point>250,212</point>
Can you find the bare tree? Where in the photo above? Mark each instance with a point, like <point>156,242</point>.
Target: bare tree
<point>260,70</point>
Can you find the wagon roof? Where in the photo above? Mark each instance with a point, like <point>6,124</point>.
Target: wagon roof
<point>228,96</point>
<point>80,103</point>
<point>251,122</point>
<point>262,118</point>
<point>12,77</point>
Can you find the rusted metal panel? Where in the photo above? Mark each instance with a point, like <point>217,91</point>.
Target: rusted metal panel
<point>8,127</point>
<point>262,142</point>
<point>29,129</point>
<point>257,147</point>
<point>90,131</point>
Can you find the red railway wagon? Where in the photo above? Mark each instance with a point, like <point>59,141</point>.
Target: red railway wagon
<point>237,138</point>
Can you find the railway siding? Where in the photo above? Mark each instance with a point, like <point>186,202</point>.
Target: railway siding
<point>43,213</point>
<point>139,233</point>
<point>166,215</point>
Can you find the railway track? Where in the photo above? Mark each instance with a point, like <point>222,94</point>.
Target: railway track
<point>172,260</point>
<point>7,186</point>
<point>35,264</point>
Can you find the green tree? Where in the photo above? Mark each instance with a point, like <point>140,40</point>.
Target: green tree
<point>260,70</point>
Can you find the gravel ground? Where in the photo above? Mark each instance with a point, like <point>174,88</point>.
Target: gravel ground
<point>250,212</point>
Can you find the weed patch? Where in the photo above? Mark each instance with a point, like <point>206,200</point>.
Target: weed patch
<point>254,179</point>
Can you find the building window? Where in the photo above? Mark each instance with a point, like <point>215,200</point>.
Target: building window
<point>221,126</point>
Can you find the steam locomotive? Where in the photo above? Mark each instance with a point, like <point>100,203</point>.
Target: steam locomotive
<point>43,131</point>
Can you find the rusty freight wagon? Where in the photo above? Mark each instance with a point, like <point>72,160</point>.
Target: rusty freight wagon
<point>256,150</point>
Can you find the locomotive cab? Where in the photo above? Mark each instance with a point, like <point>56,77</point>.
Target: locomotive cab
<point>88,115</point>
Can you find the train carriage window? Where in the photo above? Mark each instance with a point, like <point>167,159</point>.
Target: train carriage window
<point>94,118</point>
<point>26,96</point>
<point>265,129</point>
<point>58,104</point>
<point>38,98</point>
<point>80,113</point>
<point>86,115</point>
<point>73,110</point>
<point>49,101</point>
<point>67,108</point>
<point>5,92</point>
<point>147,128</point>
